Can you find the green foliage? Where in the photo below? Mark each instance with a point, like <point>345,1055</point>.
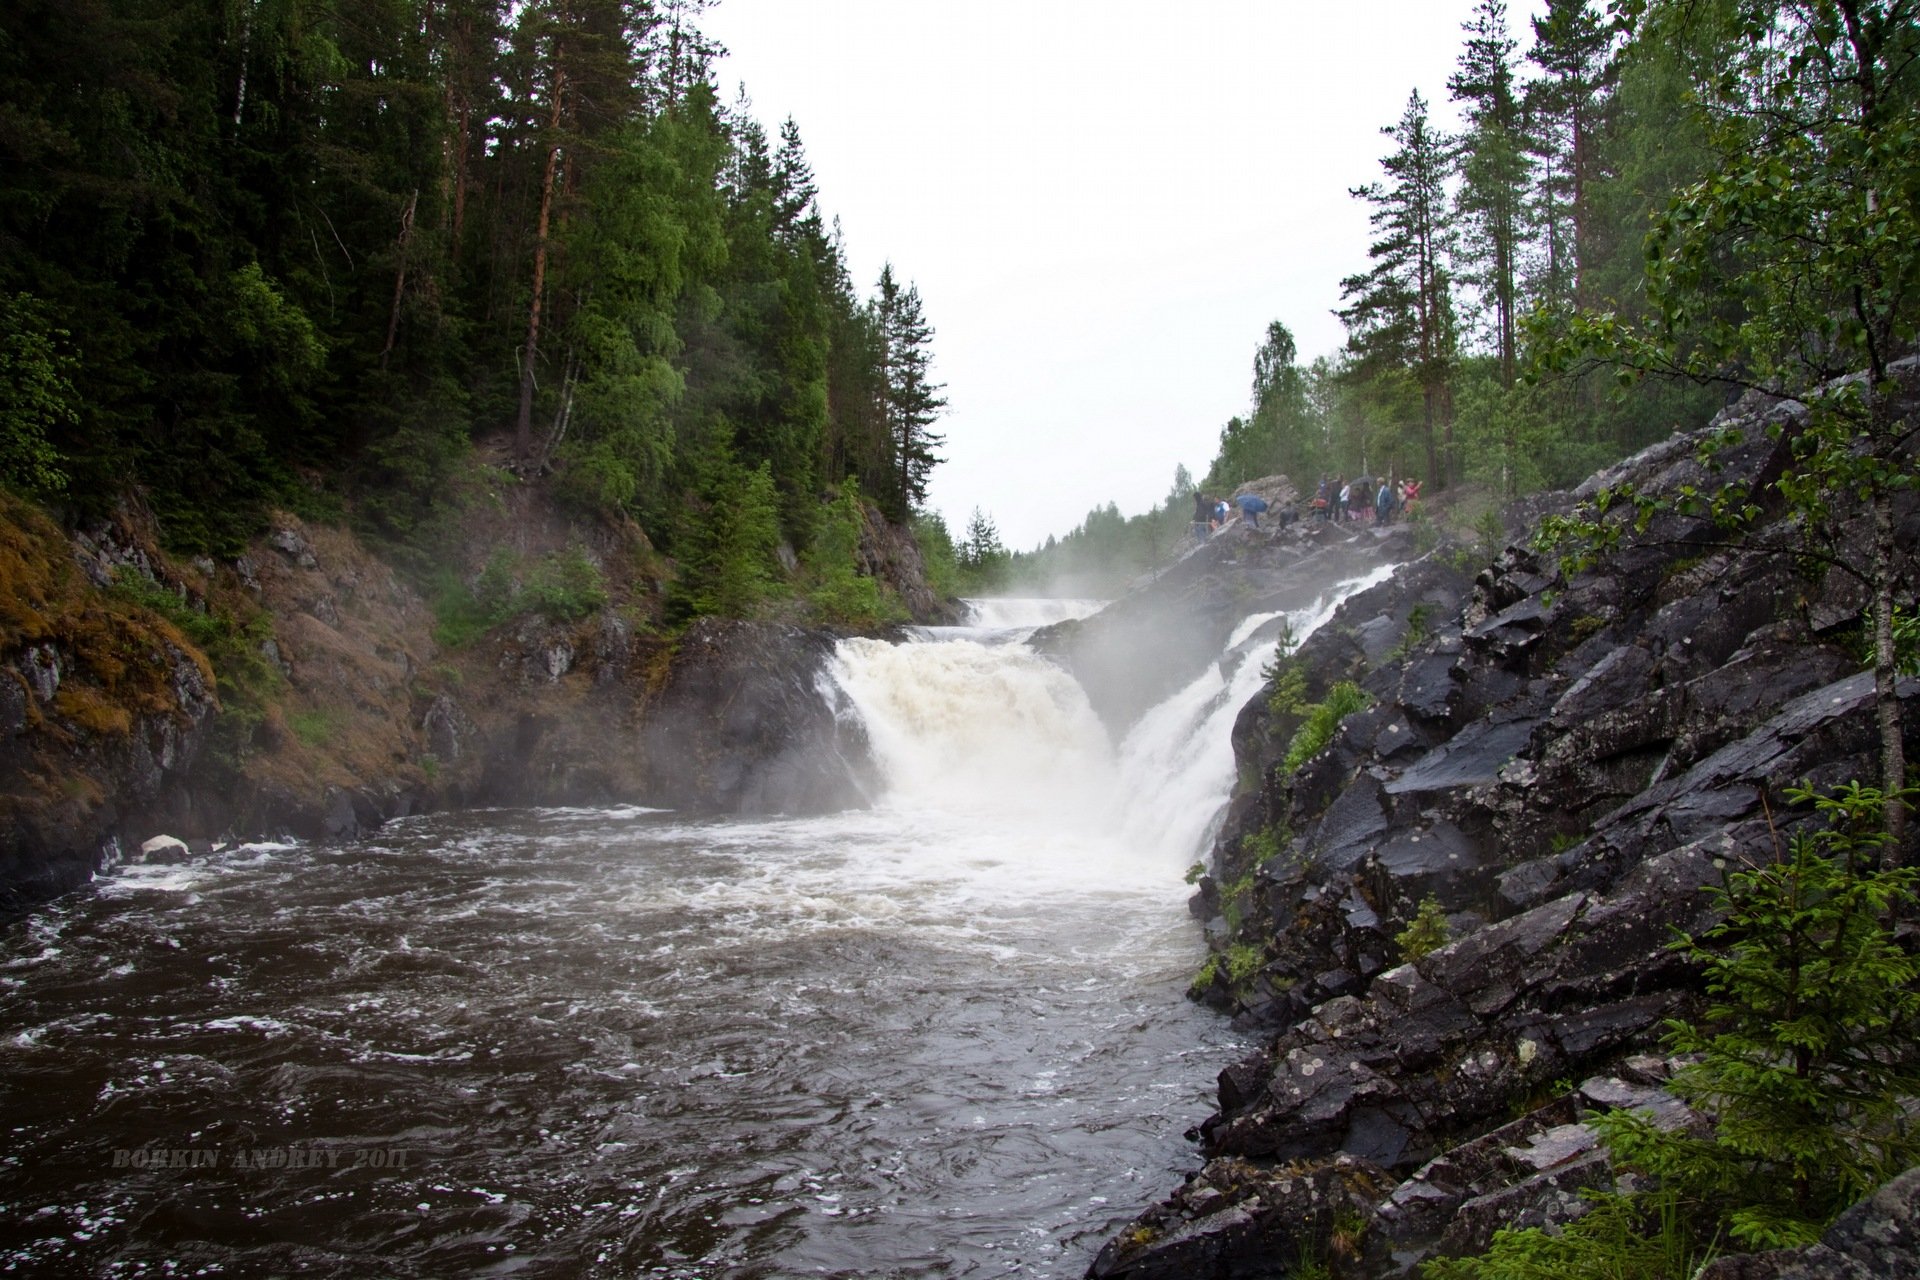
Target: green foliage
<point>1195,872</point>
<point>1419,627</point>
<point>233,640</point>
<point>315,728</point>
<point>1427,931</point>
<point>1322,718</point>
<point>1238,964</point>
<point>840,593</point>
<point>981,557</point>
<point>1790,262</point>
<point>1234,897</point>
<point>1285,678</point>
<point>1619,1238</point>
<point>1262,846</point>
<point>207,629</point>
<point>1804,1059</point>
<point>1906,641</point>
<point>1208,972</point>
<point>940,560</point>
<point>36,394</point>
<point>1806,1050</point>
<point>563,587</point>
<point>728,566</point>
<point>1243,961</point>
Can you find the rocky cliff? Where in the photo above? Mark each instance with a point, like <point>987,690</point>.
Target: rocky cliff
<point>341,700</point>
<point>1562,764</point>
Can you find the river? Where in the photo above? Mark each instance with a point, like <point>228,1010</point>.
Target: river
<point>939,1036</point>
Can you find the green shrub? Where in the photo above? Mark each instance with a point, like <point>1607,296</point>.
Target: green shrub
<point>1316,731</point>
<point>1805,1060</point>
<point>1243,961</point>
<point>1262,846</point>
<point>1492,532</point>
<point>563,587</point>
<point>1419,627</point>
<point>839,592</point>
<point>207,629</point>
<point>1427,931</point>
<point>1204,979</point>
<point>1287,692</point>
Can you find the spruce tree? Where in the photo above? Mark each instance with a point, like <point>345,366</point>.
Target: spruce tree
<point>1494,171</point>
<point>911,400</point>
<point>1399,313</point>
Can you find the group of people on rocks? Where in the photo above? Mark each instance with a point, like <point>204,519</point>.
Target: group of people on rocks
<point>1363,498</point>
<point>1210,513</point>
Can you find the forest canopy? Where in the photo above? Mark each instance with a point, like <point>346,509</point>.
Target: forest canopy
<point>323,253</point>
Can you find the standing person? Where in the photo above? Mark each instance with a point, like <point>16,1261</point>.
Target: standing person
<point>1344,503</point>
<point>1409,492</point>
<point>1202,516</point>
<point>1220,514</point>
<point>1383,503</point>
<point>1320,500</point>
<point>1251,505</point>
<point>1363,498</point>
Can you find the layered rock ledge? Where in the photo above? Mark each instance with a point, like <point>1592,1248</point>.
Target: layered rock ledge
<point>1563,763</point>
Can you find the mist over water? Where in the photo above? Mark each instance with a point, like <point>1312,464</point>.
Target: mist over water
<point>942,1036</point>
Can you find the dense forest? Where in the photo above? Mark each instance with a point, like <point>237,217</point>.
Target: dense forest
<point>337,255</point>
<point>1569,276</point>
<point>333,255</point>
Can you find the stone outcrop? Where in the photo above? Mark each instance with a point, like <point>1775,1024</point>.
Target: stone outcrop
<point>1564,764</point>
<point>1878,1237</point>
<point>1162,634</point>
<point>341,706</point>
<point>104,705</point>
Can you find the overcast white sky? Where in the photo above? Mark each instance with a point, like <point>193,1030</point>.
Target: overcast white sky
<point>1103,203</point>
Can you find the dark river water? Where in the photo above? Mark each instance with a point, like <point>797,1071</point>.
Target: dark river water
<point>943,1036</point>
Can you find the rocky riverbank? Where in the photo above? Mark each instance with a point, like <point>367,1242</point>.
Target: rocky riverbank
<point>1561,763</point>
<point>341,702</point>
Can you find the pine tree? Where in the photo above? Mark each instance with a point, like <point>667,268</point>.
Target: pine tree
<point>1399,313</point>
<point>911,400</point>
<point>1494,171</point>
<point>1565,110</point>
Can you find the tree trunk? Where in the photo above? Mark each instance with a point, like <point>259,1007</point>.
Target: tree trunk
<point>1886,677</point>
<point>400,276</point>
<point>523,425</point>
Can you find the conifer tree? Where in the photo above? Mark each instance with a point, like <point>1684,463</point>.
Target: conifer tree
<point>1399,313</point>
<point>1494,169</point>
<point>1565,110</point>
<point>911,400</point>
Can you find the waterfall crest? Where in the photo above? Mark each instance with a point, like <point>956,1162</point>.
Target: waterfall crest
<point>972,721</point>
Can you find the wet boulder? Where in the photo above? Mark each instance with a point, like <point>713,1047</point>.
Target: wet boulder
<point>745,721</point>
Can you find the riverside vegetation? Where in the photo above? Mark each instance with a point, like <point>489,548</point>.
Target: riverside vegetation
<point>405,377</point>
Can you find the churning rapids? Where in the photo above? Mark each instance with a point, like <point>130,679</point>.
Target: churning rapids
<point>941,1036</point>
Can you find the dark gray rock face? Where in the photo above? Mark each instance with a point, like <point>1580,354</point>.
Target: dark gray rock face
<point>1565,764</point>
<point>1157,638</point>
<point>745,723</point>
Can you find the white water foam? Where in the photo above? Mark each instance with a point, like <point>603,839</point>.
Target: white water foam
<point>1003,746</point>
<point>1008,613</point>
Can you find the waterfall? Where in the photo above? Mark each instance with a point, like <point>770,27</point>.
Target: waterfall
<point>969,721</point>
